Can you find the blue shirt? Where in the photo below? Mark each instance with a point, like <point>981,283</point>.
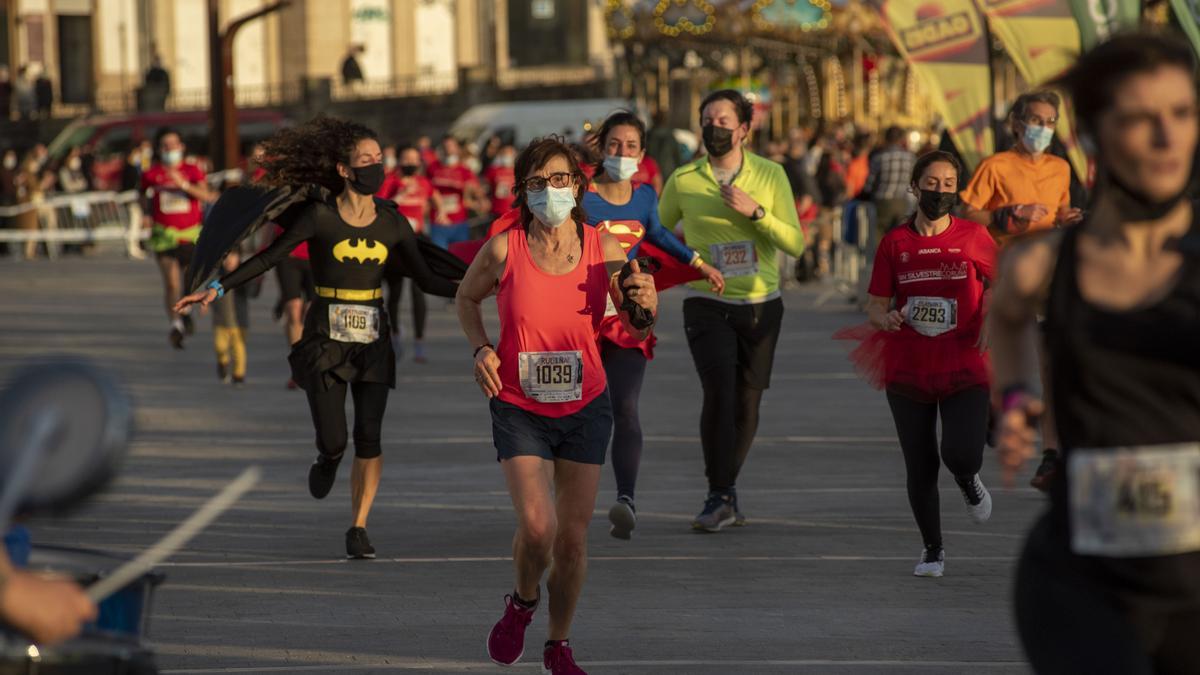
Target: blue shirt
<point>633,222</point>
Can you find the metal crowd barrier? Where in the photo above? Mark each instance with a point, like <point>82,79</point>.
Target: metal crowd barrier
<point>849,258</point>
<point>81,218</point>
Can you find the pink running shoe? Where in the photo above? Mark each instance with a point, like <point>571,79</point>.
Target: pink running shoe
<point>506,642</point>
<point>557,660</point>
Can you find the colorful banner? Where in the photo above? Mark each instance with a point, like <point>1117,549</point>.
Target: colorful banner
<point>1042,39</point>
<point>1099,20</point>
<point>944,43</point>
<point>1188,13</point>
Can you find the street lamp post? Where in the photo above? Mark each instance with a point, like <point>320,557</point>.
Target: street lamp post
<point>223,135</point>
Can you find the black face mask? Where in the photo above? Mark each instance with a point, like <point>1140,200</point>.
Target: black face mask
<point>367,179</point>
<point>936,205</point>
<point>408,169</point>
<point>718,141</point>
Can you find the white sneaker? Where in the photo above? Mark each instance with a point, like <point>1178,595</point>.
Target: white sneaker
<point>931,565</point>
<point>623,518</point>
<point>978,499</point>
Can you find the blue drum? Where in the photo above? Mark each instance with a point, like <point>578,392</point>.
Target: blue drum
<point>111,644</point>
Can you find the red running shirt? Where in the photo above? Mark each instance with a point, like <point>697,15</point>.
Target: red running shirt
<point>646,173</point>
<point>170,206</point>
<point>451,184</point>
<point>501,180</point>
<point>951,266</point>
<point>541,312</point>
<point>411,195</point>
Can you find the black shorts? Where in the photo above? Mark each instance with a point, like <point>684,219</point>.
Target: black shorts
<point>724,335</point>
<point>182,253</point>
<point>582,437</point>
<point>295,280</point>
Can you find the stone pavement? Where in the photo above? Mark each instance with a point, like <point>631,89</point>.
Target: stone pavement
<point>820,581</point>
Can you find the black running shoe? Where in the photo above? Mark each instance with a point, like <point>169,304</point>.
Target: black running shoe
<point>223,373</point>
<point>239,382</point>
<point>189,326</point>
<point>176,338</point>
<point>1046,471</point>
<point>358,546</point>
<point>321,475</point>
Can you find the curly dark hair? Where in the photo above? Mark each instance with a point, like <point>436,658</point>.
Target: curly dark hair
<point>309,153</point>
<point>534,157</point>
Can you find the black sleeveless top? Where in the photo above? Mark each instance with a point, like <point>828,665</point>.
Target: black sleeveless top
<point>1126,378</point>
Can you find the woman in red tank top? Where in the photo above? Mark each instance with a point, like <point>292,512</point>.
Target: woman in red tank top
<point>551,417</point>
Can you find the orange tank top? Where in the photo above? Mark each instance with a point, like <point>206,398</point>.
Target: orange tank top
<point>549,354</point>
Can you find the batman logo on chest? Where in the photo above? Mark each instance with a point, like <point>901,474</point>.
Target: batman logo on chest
<point>361,250</point>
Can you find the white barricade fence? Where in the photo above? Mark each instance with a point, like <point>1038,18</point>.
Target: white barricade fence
<point>78,218</point>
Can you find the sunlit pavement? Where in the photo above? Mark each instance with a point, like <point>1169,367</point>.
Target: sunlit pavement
<point>820,581</point>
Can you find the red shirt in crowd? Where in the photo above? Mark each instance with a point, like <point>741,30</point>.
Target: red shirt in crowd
<point>451,184</point>
<point>169,205</point>
<point>301,250</point>
<point>411,196</point>
<point>647,171</point>
<point>500,180</point>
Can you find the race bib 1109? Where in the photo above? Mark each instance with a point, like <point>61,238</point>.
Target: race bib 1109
<point>354,323</point>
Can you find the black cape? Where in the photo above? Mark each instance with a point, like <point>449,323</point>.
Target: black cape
<point>240,211</point>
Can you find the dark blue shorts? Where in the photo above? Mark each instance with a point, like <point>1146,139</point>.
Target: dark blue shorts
<point>582,437</point>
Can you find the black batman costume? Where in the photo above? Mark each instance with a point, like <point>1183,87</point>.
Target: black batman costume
<point>346,342</point>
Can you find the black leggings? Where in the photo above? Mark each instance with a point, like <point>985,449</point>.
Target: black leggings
<point>964,432</point>
<point>395,289</point>
<point>329,418</point>
<point>1070,622</point>
<point>733,347</point>
<point>625,369</point>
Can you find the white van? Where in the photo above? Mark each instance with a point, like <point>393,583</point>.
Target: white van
<point>522,121</point>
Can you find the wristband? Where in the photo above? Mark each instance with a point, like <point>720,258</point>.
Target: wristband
<point>1012,396</point>
<point>696,261</point>
<point>216,286</point>
<point>480,348</point>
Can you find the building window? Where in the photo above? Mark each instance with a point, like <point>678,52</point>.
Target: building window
<point>547,33</point>
<point>542,10</point>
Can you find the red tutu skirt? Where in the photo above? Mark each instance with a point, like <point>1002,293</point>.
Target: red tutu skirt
<point>928,368</point>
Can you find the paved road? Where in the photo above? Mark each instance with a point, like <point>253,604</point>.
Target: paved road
<point>819,582</point>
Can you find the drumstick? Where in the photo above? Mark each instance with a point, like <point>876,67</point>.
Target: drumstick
<point>177,538</point>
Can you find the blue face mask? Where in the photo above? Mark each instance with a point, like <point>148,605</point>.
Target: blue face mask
<point>1037,138</point>
<point>552,206</point>
<point>620,168</point>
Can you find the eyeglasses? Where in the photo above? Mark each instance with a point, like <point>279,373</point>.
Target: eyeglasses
<point>1035,121</point>
<point>558,180</point>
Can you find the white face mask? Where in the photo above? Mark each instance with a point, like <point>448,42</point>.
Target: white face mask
<point>75,164</point>
<point>620,168</point>
<point>10,162</point>
<point>505,160</point>
<point>451,160</point>
<point>173,157</point>
<point>552,206</point>
<point>389,163</point>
